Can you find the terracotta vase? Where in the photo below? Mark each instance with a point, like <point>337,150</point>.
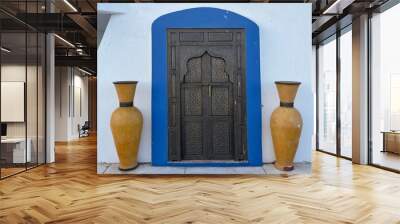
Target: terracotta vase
<point>286,124</point>
<point>126,125</point>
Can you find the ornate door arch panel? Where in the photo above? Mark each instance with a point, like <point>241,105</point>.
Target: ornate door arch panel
<point>206,94</point>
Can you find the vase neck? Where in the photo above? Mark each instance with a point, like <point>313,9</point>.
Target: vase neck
<point>286,104</point>
<point>287,93</point>
<point>126,104</point>
<point>126,93</point>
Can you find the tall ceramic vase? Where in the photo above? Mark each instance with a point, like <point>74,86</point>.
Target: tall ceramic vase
<point>286,124</point>
<point>126,125</point>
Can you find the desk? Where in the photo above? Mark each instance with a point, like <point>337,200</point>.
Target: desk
<point>16,147</point>
<point>391,141</point>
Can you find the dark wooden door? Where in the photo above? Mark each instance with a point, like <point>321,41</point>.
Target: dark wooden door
<point>206,83</point>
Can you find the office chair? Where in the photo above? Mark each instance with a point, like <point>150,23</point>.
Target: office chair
<point>84,130</point>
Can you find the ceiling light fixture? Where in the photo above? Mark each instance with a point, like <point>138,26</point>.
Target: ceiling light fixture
<point>80,51</point>
<point>337,7</point>
<point>84,71</point>
<point>5,50</point>
<point>70,5</point>
<point>65,41</point>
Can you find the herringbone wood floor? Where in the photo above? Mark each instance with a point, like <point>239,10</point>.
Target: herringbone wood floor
<point>70,191</point>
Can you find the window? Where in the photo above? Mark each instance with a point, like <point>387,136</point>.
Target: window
<point>385,89</point>
<point>335,94</point>
<point>346,93</point>
<point>327,96</point>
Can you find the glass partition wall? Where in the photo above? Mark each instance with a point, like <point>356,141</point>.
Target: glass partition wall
<point>346,95</point>
<point>385,89</point>
<point>22,77</point>
<point>327,78</point>
<point>334,86</point>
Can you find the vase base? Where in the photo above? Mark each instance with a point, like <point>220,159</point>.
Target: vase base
<point>129,168</point>
<point>283,167</point>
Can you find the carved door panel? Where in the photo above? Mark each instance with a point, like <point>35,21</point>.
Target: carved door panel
<point>206,94</point>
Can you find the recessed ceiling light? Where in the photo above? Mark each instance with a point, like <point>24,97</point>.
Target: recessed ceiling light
<point>64,40</point>
<point>70,5</point>
<point>5,50</point>
<point>338,6</point>
<point>84,71</point>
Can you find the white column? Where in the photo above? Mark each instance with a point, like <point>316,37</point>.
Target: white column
<point>50,110</point>
<point>360,90</point>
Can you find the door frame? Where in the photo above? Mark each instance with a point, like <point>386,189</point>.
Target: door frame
<point>206,18</point>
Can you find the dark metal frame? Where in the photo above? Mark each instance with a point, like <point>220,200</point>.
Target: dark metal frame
<point>338,96</point>
<point>337,36</point>
<point>369,90</point>
<point>316,97</point>
<point>0,90</point>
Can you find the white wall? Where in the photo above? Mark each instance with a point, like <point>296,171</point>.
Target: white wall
<point>124,53</point>
<point>18,73</point>
<point>67,115</point>
<point>33,126</point>
<point>81,84</point>
<point>61,103</point>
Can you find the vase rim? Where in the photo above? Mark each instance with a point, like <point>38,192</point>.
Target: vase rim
<point>125,82</point>
<point>288,82</point>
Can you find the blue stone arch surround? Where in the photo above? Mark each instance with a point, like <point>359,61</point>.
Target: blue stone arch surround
<point>205,18</point>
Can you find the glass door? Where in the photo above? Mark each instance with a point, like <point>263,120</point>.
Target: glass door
<point>334,96</point>
<point>23,89</point>
<point>385,90</point>
<point>327,96</point>
<point>14,153</point>
<point>346,93</point>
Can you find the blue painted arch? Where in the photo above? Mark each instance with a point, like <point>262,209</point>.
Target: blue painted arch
<point>204,18</point>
